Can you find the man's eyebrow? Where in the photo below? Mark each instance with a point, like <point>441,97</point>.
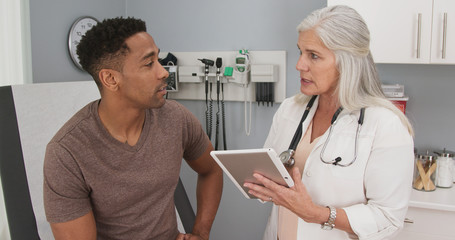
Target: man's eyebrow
<point>150,55</point>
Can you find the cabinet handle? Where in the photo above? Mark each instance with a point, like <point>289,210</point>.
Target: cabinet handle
<point>444,36</point>
<point>408,220</point>
<point>419,33</point>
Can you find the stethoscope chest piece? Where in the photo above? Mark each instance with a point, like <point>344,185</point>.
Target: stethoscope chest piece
<point>287,158</point>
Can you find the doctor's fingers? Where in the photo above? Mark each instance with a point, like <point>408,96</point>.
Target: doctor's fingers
<point>259,191</point>
<point>274,190</point>
<point>266,197</point>
<point>298,197</point>
<point>267,182</point>
<point>297,178</point>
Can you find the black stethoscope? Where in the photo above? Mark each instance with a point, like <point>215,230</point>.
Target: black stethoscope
<point>287,157</point>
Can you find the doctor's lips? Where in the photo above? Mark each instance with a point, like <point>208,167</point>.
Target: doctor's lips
<point>305,80</point>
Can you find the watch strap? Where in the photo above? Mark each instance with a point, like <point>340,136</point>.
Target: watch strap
<point>330,224</point>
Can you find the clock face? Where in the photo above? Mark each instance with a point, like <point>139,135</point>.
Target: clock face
<point>79,28</point>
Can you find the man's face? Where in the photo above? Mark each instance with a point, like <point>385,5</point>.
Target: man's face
<point>143,78</point>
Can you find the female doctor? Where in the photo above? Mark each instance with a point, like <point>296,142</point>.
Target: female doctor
<point>353,151</point>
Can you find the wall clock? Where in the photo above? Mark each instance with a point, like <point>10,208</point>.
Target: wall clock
<point>78,29</point>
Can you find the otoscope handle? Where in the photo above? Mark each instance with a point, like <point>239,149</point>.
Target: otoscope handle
<point>218,63</point>
<point>218,87</point>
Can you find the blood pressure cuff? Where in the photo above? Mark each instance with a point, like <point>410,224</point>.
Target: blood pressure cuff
<point>30,115</point>
<point>169,60</point>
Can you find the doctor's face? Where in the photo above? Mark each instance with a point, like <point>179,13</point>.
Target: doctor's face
<point>317,66</point>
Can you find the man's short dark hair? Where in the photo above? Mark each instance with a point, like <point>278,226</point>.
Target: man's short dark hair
<point>104,45</point>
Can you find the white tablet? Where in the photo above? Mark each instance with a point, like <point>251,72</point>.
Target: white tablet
<point>239,166</point>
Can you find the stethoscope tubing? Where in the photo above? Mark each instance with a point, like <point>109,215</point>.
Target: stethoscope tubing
<point>298,134</point>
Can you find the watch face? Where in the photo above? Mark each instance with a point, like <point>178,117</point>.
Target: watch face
<point>79,28</point>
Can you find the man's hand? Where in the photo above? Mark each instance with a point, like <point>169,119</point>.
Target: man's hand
<point>190,236</point>
<point>180,237</point>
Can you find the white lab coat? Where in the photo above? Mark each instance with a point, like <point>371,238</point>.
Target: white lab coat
<point>374,191</point>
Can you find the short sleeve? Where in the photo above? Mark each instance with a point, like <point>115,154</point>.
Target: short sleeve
<point>196,140</point>
<point>66,196</point>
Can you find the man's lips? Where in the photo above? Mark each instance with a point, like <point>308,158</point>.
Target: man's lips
<point>163,88</point>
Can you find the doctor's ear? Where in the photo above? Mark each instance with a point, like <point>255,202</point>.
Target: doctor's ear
<point>109,78</point>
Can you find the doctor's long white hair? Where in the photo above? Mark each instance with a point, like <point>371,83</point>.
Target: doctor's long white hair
<point>345,33</point>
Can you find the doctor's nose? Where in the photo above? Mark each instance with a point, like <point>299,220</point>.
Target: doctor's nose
<point>301,64</point>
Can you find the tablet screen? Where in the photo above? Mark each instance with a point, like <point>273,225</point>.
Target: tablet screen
<point>239,166</point>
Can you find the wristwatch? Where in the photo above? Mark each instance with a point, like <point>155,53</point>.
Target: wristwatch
<point>330,224</point>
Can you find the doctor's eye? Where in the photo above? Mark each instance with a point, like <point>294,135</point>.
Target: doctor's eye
<point>314,56</point>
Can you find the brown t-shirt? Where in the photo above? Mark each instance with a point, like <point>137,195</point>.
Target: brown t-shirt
<point>129,188</point>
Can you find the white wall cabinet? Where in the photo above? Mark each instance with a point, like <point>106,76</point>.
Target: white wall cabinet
<point>408,31</point>
<point>443,37</point>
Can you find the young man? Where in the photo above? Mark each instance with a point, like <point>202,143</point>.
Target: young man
<point>110,172</point>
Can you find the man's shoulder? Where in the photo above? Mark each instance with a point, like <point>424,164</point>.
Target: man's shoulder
<point>81,115</point>
<point>173,104</point>
<point>171,108</point>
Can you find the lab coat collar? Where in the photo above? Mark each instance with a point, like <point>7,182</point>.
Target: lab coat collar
<point>344,119</point>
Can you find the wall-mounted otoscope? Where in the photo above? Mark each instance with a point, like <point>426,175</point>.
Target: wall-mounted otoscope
<point>208,109</point>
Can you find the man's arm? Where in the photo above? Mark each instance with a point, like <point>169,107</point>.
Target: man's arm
<point>80,228</point>
<point>208,192</point>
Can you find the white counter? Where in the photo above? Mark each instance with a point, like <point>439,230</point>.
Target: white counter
<point>440,199</point>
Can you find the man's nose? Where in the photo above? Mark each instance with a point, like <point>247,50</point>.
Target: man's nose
<point>163,73</point>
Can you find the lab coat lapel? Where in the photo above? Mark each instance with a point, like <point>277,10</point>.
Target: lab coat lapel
<point>310,116</point>
<point>345,120</point>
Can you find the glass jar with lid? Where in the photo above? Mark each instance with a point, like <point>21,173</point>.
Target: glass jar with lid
<point>425,172</point>
<point>444,172</point>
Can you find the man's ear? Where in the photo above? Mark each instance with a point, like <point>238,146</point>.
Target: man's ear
<point>109,78</point>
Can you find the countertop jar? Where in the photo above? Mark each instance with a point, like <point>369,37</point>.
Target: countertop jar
<point>444,170</point>
<point>425,172</point>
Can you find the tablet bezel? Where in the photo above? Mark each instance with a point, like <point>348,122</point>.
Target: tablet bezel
<point>264,161</point>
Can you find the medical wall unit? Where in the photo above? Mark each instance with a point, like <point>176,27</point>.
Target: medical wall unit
<point>262,78</point>
<point>217,77</point>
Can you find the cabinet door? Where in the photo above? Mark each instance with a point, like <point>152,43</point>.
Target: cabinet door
<point>404,235</point>
<point>425,224</point>
<point>443,38</point>
<point>394,28</point>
